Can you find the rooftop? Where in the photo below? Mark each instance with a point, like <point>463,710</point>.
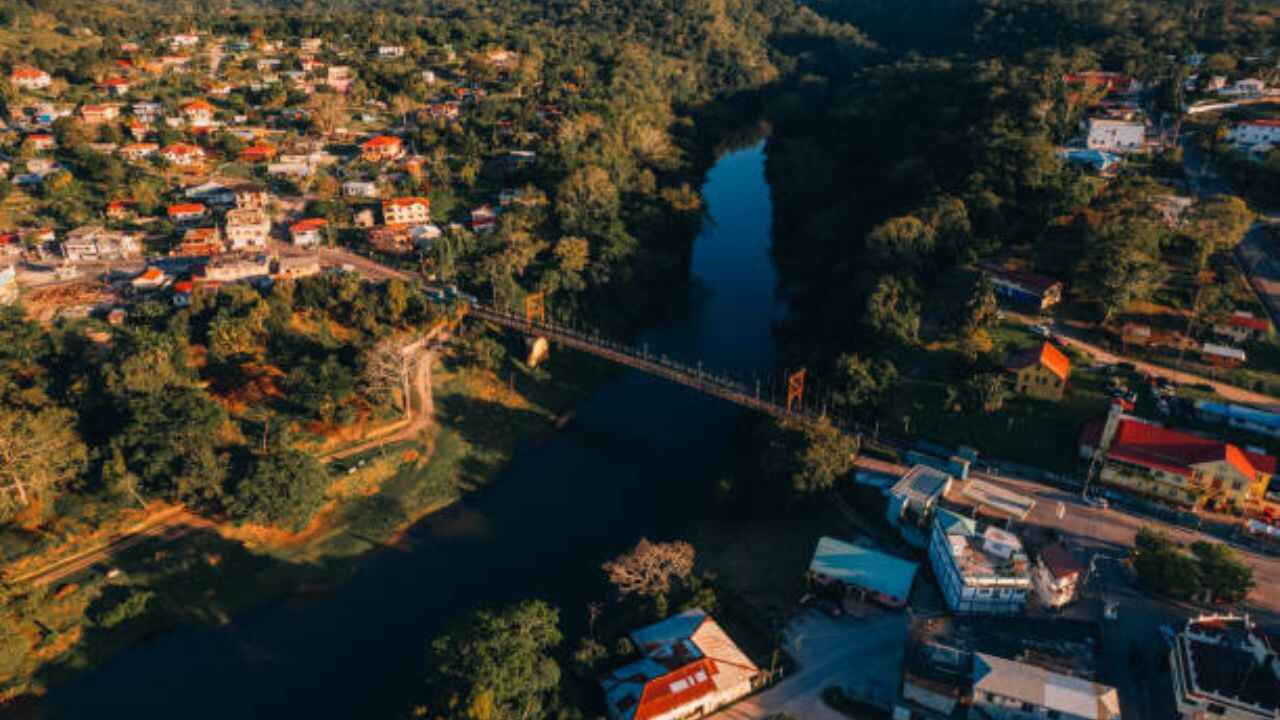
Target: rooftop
<point>1047,355</point>
<point>921,485</point>
<point>1043,688</point>
<point>1228,660</point>
<point>989,554</point>
<point>863,567</point>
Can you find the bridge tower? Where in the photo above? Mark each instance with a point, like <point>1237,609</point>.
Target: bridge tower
<point>795,390</point>
<point>535,308</point>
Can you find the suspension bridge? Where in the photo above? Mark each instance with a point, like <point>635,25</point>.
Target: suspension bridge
<point>534,324</point>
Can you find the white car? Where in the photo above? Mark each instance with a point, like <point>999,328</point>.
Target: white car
<point>1097,502</point>
<point>1041,330</point>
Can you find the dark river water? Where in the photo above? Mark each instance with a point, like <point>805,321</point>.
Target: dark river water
<point>639,459</point>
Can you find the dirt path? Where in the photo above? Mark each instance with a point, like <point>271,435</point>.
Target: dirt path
<point>168,524</point>
<point>422,411</point>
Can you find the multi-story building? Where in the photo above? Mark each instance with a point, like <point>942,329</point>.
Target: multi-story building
<point>382,147</point>
<point>1224,667</point>
<point>183,154</point>
<point>308,232</point>
<point>247,228</point>
<point>690,669</point>
<point>406,211</point>
<point>30,78</point>
<point>1172,466</point>
<point>198,113</point>
<point>249,196</point>
<point>92,243</point>
<point>1057,576</point>
<point>1251,133</point>
<point>980,571</point>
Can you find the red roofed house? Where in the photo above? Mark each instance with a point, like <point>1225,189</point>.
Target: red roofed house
<point>29,78</point>
<point>309,232</point>
<point>1175,466</point>
<point>258,153</point>
<point>1040,372</point>
<point>1056,576</point>
<point>406,211</point>
<point>183,154</point>
<point>186,212</point>
<point>138,151</point>
<point>200,242</point>
<point>42,141</point>
<point>119,209</point>
<point>1243,326</point>
<point>382,147</point>
<point>98,114</point>
<point>117,85</point>
<point>690,669</point>
<point>198,113</point>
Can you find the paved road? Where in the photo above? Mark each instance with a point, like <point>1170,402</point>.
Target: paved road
<point>1255,260</point>
<point>1111,531</point>
<point>831,651</point>
<point>1075,338</point>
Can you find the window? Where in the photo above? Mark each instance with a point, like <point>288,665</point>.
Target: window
<point>1028,707</point>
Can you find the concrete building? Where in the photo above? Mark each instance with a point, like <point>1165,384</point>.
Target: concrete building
<point>911,502</point>
<point>309,232</point>
<point>406,211</point>
<point>249,228</point>
<point>94,243</point>
<point>1224,667</point>
<point>1251,133</point>
<point>1057,576</point>
<point>980,571</point>
<point>885,578</point>
<point>1115,136</point>
<point>690,669</point>
<point>250,196</point>
<point>30,78</point>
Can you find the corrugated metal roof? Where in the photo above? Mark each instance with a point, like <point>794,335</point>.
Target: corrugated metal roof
<point>864,567</point>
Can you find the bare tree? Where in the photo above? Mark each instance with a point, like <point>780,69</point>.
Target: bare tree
<point>386,368</point>
<point>650,567</point>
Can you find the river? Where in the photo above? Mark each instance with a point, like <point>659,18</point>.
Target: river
<point>639,459</point>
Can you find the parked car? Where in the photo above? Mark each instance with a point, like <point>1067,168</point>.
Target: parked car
<point>1041,330</point>
<point>1098,502</point>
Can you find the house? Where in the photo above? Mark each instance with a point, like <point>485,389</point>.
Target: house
<point>885,578</point>
<point>1116,136</point>
<point>484,219</point>
<point>258,153</point>
<point>339,77</point>
<point>198,113</point>
<point>1173,466</point>
<point>1248,133</point>
<point>310,45</point>
<point>119,209</point>
<point>1041,372</point>
<point>247,228</point>
<point>390,51</point>
<point>138,151</point>
<point>1009,690</point>
<point>186,212</point>
<point>980,571</point>
<point>309,232</point>
<point>98,114</point>
<point>1110,82</point>
<point>1242,326</point>
<point>200,242</point>
<point>360,189</point>
<point>147,112</point>
<point>1224,667</point>
<point>30,78</point>
<point>117,86</point>
<point>690,668</point>
<point>406,211</point>
<point>218,193</point>
<point>183,154</point>
<point>1057,576</point>
<point>93,243</point>
<point>391,239</point>
<point>249,196</point>
<point>381,147</point>
<point>1023,288</point>
<point>1245,418</point>
<point>292,267</point>
<point>1222,355</point>
<point>8,285</point>
<point>184,40</point>
<point>42,141</point>
<point>152,278</point>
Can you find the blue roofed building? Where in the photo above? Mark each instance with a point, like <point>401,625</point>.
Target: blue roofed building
<point>1097,160</point>
<point>1239,416</point>
<point>885,578</point>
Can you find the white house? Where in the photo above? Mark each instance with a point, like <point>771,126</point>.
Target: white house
<point>183,154</point>
<point>1118,136</point>
<point>308,232</point>
<point>360,189</point>
<point>1248,133</point>
<point>406,211</point>
<point>980,572</point>
<point>93,243</point>
<point>1246,87</point>
<point>30,78</point>
<point>390,51</point>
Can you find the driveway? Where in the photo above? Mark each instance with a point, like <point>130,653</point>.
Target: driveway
<point>863,655</point>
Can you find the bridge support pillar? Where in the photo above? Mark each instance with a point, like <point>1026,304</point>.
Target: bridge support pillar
<point>539,350</point>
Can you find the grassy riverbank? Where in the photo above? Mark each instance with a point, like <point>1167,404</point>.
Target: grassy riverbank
<point>207,574</point>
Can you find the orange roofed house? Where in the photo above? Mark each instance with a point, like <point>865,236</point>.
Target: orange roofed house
<point>29,78</point>
<point>690,668</point>
<point>406,211</point>
<point>1174,466</point>
<point>382,147</point>
<point>1040,372</point>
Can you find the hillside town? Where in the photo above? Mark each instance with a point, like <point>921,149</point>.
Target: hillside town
<point>277,301</point>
